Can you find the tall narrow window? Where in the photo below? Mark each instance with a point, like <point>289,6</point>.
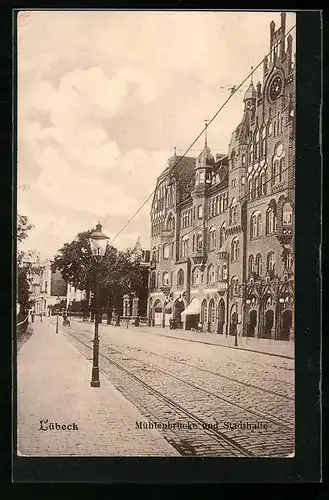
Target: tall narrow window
<point>180,277</point>
<point>222,234</point>
<point>204,312</point>
<point>271,262</point>
<point>251,264</point>
<point>199,242</point>
<point>281,170</point>
<point>212,314</point>
<point>259,265</point>
<point>287,214</point>
<point>212,238</point>
<point>211,274</point>
<point>235,249</point>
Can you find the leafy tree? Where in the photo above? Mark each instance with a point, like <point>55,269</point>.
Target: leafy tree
<point>28,265</point>
<point>119,272</point>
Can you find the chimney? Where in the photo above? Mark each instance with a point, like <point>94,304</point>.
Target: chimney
<point>272,31</point>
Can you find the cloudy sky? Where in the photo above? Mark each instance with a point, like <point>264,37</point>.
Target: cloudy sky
<point>103,99</point>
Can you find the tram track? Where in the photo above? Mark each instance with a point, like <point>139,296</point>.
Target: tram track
<point>230,445</point>
<point>225,377</point>
<point>258,413</point>
<point>169,402</point>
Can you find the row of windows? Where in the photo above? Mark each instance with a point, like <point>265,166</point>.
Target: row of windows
<point>258,145</point>
<point>187,218</point>
<point>255,263</point>
<point>168,249</point>
<point>271,220</point>
<point>218,204</point>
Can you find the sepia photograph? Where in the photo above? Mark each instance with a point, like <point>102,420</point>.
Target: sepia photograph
<point>155,300</point>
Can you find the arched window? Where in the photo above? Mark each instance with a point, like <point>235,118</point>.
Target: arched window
<point>222,234</point>
<point>185,245</point>
<point>165,278</point>
<point>212,311</point>
<point>199,242</point>
<point>259,265</point>
<point>204,312</point>
<point>224,272</point>
<point>287,214</point>
<point>170,222</point>
<point>256,225</point>
<point>251,265</point>
<point>271,261</point>
<point>233,212</point>
<point>269,302</point>
<point>235,285</point>
<point>289,261</point>
<point>235,249</point>
<point>212,238</point>
<point>196,276</point>
<point>271,222</point>
<point>211,274</point>
<point>159,280</point>
<point>154,254</point>
<point>180,277</point>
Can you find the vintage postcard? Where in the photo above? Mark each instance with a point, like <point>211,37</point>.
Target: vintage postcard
<point>156,234</point>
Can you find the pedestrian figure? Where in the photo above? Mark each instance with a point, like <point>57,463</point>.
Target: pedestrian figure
<point>200,327</point>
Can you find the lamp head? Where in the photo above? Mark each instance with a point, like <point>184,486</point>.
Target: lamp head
<point>98,243</point>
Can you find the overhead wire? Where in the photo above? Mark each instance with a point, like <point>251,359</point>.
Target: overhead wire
<point>233,92</point>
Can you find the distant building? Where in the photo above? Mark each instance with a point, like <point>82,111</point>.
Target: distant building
<point>48,288</point>
<point>74,295</point>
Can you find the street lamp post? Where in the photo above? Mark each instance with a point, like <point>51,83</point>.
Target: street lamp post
<point>98,244</point>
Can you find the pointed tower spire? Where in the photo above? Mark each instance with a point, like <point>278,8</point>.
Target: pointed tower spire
<point>252,70</point>
<point>175,151</point>
<point>205,134</point>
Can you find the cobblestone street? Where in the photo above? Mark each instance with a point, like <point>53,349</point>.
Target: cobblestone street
<point>173,380</point>
<point>159,396</point>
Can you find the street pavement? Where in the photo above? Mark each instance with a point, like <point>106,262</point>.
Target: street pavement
<point>265,346</point>
<point>167,378</point>
<point>53,387</point>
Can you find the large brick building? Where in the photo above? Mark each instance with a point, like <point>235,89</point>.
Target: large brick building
<point>222,227</point>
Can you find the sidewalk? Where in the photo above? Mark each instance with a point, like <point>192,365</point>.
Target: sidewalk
<point>53,382</point>
<point>264,346</point>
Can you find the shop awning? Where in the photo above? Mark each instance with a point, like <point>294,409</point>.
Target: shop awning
<point>193,308</point>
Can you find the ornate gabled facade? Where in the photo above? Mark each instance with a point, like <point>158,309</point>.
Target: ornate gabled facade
<point>222,227</point>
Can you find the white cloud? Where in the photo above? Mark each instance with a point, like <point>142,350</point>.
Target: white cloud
<point>105,96</point>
